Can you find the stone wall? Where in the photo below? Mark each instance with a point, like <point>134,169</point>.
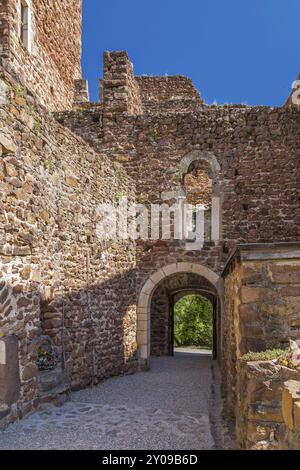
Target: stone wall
<point>289,435</point>
<point>262,304</point>
<point>259,170</point>
<point>198,188</point>
<point>231,336</point>
<point>268,407</point>
<point>57,278</point>
<point>121,91</point>
<point>54,61</point>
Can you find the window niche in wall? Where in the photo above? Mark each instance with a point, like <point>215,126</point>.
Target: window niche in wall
<point>201,186</point>
<point>25,25</point>
<point>198,188</point>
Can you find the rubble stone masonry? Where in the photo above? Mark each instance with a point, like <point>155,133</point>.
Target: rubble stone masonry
<point>268,407</point>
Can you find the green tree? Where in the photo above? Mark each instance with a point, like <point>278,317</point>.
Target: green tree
<point>193,322</point>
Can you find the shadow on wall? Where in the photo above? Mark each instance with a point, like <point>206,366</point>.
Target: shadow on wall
<point>93,331</point>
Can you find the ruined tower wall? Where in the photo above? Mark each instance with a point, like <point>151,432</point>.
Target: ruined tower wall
<point>122,92</point>
<point>51,61</point>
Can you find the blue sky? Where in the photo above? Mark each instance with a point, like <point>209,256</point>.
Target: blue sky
<point>235,51</point>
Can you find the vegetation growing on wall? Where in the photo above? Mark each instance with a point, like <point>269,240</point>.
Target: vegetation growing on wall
<point>193,322</point>
<point>269,355</point>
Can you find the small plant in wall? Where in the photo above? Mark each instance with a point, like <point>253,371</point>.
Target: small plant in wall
<point>48,163</point>
<point>284,357</point>
<point>37,125</point>
<point>119,196</point>
<point>19,91</point>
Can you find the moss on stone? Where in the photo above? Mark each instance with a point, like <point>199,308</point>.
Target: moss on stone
<point>19,90</point>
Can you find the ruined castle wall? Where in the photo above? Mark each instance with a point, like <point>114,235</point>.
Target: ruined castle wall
<point>259,179</point>
<point>57,277</point>
<point>255,147</point>
<point>121,91</point>
<point>54,61</point>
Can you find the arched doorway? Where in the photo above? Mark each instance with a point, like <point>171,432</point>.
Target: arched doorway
<point>163,302</point>
<point>174,280</point>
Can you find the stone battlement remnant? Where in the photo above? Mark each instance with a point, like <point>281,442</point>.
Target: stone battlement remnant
<point>121,91</point>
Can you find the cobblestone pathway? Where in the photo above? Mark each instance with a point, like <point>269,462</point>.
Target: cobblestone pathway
<point>170,407</point>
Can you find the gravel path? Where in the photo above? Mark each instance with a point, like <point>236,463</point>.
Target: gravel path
<point>170,407</point>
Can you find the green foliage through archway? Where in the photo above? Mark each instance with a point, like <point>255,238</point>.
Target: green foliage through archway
<point>193,322</point>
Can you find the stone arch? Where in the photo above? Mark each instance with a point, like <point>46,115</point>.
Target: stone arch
<point>193,291</point>
<point>198,155</point>
<point>147,291</point>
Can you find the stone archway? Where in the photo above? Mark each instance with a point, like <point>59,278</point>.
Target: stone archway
<point>145,297</point>
<point>207,157</point>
